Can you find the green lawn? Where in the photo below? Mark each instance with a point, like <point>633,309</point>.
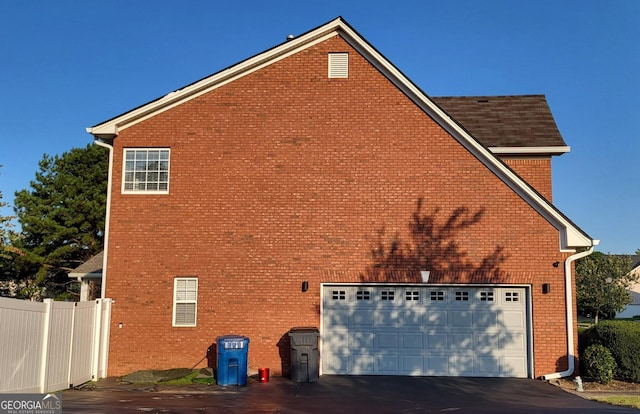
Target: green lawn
<point>621,400</point>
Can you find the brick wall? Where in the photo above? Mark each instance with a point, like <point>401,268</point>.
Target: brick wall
<point>536,171</point>
<point>285,176</point>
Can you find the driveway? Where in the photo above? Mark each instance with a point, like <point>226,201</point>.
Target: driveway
<point>341,394</point>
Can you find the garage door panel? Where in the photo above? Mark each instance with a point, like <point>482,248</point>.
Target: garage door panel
<point>513,319</point>
<point>388,363</point>
<point>437,365</point>
<point>362,318</point>
<point>336,317</point>
<point>486,319</point>
<point>513,342</point>
<point>461,319</point>
<point>461,341</point>
<point>362,340</point>
<point>514,366</point>
<point>437,318</point>
<point>487,366</point>
<point>362,364</point>
<point>412,340</point>
<point>335,364</point>
<point>425,330</point>
<point>461,365</point>
<point>412,364</point>
<point>388,340</point>
<point>487,343</point>
<point>387,318</point>
<point>437,341</point>
<point>412,317</point>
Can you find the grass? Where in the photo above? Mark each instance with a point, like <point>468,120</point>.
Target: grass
<point>621,400</point>
<point>189,379</point>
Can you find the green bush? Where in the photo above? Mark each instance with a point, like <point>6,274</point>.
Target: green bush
<point>622,338</point>
<point>599,363</point>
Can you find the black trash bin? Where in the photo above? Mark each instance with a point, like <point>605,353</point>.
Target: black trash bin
<point>305,357</point>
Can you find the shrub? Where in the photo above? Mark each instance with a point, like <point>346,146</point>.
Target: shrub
<point>622,338</point>
<point>599,363</point>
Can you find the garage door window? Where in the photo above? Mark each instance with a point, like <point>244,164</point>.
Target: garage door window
<point>387,295</point>
<point>486,296</point>
<point>363,295</point>
<point>338,295</point>
<point>511,297</point>
<point>437,295</point>
<point>412,295</point>
<point>462,296</point>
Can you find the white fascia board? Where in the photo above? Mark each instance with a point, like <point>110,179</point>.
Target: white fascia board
<point>108,130</point>
<point>217,80</point>
<point>571,237</point>
<point>530,150</point>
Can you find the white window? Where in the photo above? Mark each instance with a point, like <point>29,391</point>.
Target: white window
<point>338,65</point>
<point>185,301</point>
<point>146,170</point>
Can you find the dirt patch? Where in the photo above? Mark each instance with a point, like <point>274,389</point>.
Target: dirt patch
<point>594,386</point>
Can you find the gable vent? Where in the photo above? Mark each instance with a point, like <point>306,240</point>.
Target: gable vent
<point>338,65</point>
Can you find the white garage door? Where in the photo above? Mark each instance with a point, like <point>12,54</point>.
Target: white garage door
<point>424,330</point>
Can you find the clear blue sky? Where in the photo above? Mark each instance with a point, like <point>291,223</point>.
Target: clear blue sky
<point>67,65</point>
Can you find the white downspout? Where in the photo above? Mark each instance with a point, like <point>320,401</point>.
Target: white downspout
<point>107,219</point>
<point>569,309</point>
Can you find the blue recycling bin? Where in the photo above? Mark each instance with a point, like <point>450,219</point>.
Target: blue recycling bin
<point>232,359</point>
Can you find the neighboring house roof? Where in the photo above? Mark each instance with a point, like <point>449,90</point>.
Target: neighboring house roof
<point>507,124</point>
<point>571,237</point>
<point>92,268</point>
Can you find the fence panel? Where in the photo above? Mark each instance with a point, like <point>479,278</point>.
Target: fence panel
<point>21,330</point>
<point>83,346</point>
<point>49,346</point>
<point>59,346</point>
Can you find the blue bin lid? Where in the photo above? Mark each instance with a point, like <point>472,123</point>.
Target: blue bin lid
<point>232,341</point>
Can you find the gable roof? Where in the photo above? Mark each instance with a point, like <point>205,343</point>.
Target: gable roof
<point>571,237</point>
<point>92,268</point>
<point>507,124</point>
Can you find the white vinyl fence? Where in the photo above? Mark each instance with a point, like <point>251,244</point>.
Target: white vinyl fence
<point>50,346</point>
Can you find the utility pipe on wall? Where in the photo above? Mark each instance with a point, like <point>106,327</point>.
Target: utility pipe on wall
<point>569,309</point>
<point>103,284</point>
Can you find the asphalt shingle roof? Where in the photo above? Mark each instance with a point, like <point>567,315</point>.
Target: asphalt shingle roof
<point>505,121</point>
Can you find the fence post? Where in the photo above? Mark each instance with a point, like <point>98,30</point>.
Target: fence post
<point>95,343</point>
<point>44,355</point>
<point>71,350</point>
<point>105,330</point>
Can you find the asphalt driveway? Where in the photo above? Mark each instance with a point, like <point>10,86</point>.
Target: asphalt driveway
<point>341,394</point>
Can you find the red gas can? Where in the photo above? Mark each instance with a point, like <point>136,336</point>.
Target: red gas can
<point>263,374</point>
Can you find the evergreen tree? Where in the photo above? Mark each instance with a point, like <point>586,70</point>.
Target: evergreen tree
<point>62,218</point>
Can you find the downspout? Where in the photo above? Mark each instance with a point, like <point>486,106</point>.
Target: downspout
<point>107,219</point>
<point>569,309</point>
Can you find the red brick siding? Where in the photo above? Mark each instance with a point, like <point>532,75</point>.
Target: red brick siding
<point>285,176</point>
<point>536,171</point>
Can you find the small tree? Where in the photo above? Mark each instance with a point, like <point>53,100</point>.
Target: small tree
<point>602,284</point>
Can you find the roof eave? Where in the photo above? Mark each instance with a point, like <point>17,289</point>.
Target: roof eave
<point>552,150</point>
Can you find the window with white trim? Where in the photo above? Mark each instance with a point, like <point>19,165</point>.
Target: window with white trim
<point>185,301</point>
<point>146,170</point>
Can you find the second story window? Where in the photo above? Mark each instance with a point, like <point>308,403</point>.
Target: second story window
<point>146,170</point>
